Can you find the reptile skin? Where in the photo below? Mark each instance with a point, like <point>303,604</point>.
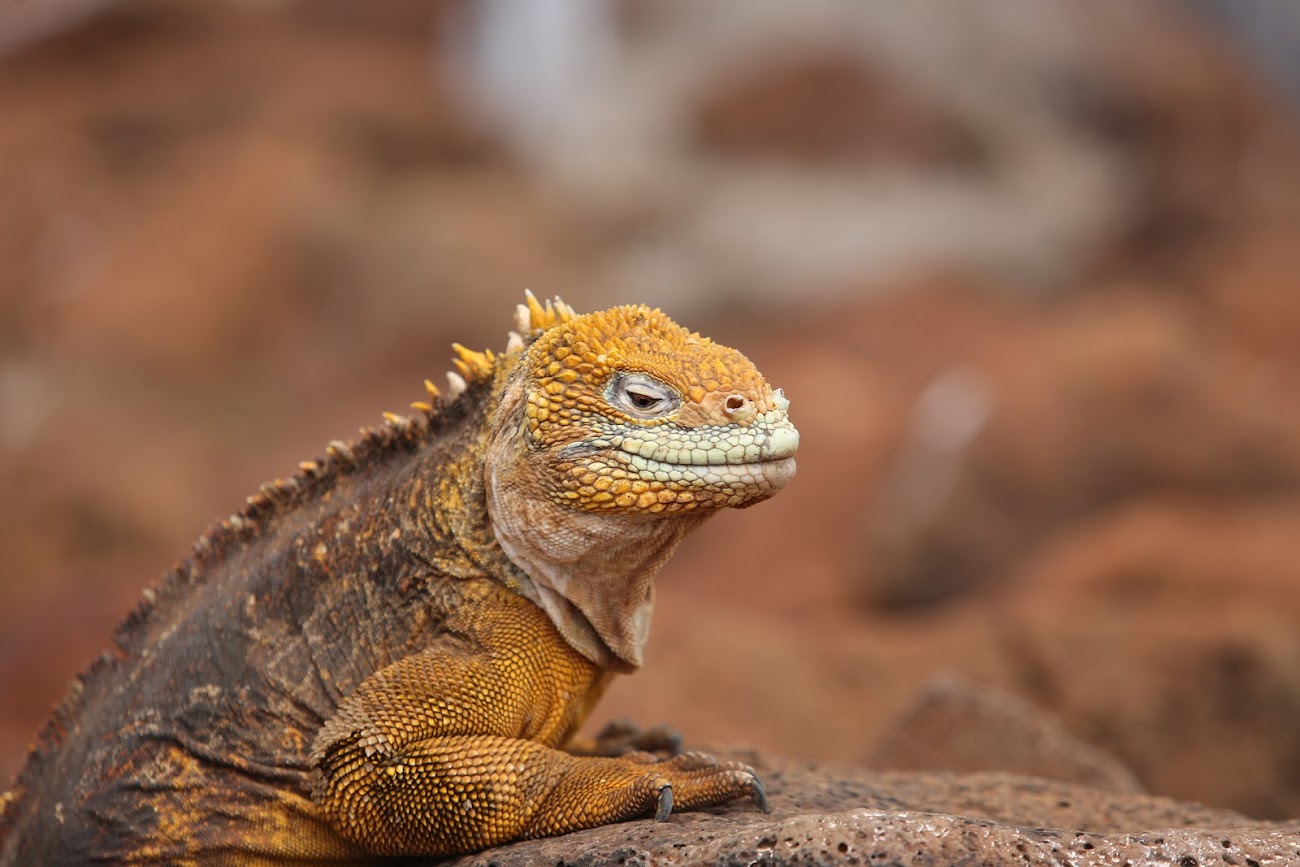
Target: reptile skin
<point>387,653</point>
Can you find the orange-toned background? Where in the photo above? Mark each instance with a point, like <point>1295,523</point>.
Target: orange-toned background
<point>1028,277</point>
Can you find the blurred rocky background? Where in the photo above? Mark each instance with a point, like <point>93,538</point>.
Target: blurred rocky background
<point>1026,268</point>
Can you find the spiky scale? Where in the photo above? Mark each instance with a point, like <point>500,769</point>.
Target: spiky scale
<point>339,450</point>
<point>456,385</point>
<point>523,318</point>
<point>539,317</point>
<point>472,365</point>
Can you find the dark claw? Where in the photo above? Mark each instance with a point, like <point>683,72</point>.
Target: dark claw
<point>665,804</point>
<point>760,796</point>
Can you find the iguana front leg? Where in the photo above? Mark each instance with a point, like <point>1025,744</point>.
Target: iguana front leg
<point>455,749</point>
<point>447,795</point>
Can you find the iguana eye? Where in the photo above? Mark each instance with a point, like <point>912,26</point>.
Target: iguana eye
<point>641,396</point>
<point>643,400</point>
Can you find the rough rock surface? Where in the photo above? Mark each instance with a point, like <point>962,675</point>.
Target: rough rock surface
<point>829,814</point>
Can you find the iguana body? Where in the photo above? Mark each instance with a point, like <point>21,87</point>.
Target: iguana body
<point>385,653</point>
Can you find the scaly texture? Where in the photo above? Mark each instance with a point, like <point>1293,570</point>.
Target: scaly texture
<point>387,652</point>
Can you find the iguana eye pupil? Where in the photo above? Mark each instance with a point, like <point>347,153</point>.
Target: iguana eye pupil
<point>641,396</point>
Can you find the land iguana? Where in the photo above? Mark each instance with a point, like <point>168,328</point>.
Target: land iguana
<point>388,652</point>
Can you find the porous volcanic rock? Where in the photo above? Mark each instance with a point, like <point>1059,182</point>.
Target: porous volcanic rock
<point>829,814</point>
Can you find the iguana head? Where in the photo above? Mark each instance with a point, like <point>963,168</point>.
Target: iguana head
<point>629,413</point>
<point>619,432</point>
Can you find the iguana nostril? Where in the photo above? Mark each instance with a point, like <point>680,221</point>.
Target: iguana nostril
<point>738,407</point>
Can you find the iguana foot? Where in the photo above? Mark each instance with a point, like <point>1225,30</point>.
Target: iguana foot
<point>702,781</point>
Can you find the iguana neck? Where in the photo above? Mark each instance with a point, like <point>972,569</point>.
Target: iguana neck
<point>591,573</point>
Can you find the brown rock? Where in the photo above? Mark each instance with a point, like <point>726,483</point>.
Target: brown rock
<point>825,108</point>
<point>1122,398</point>
<point>827,814</point>
<point>1168,633</point>
<point>960,726</point>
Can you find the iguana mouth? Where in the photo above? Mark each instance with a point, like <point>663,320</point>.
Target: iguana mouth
<point>757,460</point>
<point>762,475</point>
<point>767,475</point>
<point>772,440</point>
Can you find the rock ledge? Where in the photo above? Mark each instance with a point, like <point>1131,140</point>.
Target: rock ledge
<point>829,814</point>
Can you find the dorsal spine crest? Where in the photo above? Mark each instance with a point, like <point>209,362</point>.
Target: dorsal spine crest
<point>533,317</point>
<point>342,458</point>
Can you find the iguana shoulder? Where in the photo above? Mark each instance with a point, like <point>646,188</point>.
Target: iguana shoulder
<point>460,582</point>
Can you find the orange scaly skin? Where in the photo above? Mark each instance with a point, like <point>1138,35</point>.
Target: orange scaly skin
<point>386,653</point>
